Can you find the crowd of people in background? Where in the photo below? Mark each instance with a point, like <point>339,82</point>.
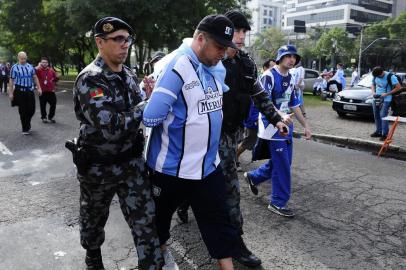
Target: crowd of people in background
<point>21,80</point>
<point>4,76</point>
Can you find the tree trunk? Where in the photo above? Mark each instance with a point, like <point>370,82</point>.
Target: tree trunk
<point>141,57</point>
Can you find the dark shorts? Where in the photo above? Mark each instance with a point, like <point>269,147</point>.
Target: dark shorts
<point>250,138</point>
<point>207,199</point>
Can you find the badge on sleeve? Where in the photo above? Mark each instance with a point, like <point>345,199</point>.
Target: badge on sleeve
<point>96,92</point>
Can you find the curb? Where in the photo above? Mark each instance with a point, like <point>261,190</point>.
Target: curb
<point>393,151</point>
<point>63,81</point>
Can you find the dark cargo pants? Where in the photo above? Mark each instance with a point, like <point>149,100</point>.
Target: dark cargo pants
<point>132,186</point>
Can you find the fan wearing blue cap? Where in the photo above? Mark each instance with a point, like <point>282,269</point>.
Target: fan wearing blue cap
<point>279,84</point>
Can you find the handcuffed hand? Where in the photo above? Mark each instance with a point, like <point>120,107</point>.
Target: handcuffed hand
<point>287,118</point>
<point>149,84</point>
<point>283,128</point>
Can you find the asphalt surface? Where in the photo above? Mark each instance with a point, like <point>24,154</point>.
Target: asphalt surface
<point>350,206</point>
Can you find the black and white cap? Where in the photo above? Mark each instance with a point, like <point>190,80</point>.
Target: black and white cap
<point>220,28</point>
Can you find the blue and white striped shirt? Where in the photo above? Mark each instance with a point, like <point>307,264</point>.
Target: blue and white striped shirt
<point>187,121</point>
<point>280,88</point>
<point>22,75</point>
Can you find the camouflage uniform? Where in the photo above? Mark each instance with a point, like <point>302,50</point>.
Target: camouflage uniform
<point>228,156</point>
<point>244,87</point>
<point>105,104</point>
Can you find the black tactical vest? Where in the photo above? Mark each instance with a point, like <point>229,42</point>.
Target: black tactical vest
<point>236,102</point>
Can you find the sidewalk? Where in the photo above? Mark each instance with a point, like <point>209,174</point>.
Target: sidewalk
<point>351,130</point>
<point>327,126</point>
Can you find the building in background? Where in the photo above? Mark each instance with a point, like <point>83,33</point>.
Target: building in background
<point>398,7</point>
<point>348,14</point>
<point>264,14</point>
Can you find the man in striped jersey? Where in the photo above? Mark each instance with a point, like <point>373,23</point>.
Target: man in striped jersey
<point>21,92</point>
<point>185,110</point>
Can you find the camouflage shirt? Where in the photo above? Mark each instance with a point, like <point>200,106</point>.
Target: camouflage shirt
<point>105,104</point>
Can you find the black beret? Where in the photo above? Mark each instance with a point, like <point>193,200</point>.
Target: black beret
<point>239,20</point>
<point>109,25</point>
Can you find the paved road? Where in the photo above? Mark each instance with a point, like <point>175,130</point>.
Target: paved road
<point>351,208</point>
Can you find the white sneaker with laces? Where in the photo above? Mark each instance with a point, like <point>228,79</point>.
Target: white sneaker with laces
<point>170,263</point>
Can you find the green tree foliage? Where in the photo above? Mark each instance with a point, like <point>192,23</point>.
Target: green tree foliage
<point>40,28</point>
<point>390,53</point>
<point>267,43</point>
<point>57,28</point>
<point>335,46</point>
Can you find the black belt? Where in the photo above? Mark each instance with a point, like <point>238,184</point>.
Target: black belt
<point>122,157</point>
<point>23,88</point>
<point>93,156</point>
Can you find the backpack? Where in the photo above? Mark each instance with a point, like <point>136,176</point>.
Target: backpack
<point>389,82</point>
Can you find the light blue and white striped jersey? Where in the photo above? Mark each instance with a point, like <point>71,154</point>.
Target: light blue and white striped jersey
<point>187,121</point>
<point>339,77</point>
<point>22,75</point>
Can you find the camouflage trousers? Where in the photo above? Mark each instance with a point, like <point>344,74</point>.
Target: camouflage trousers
<point>132,186</point>
<point>228,155</point>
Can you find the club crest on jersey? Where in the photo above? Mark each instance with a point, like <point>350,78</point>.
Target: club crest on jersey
<point>213,102</point>
<point>285,84</point>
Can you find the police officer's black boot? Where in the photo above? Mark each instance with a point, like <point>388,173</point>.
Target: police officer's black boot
<point>182,212</point>
<point>247,257</point>
<point>94,259</point>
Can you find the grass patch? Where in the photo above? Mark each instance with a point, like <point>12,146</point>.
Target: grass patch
<point>69,77</point>
<point>315,101</point>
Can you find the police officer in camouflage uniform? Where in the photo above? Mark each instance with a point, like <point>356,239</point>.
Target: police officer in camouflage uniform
<point>106,95</point>
<point>241,72</point>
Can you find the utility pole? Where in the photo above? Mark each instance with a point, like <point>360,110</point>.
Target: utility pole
<point>334,51</point>
<point>360,51</point>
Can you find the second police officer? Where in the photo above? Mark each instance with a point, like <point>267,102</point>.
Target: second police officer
<point>241,72</point>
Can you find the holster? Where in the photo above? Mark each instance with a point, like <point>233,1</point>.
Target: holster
<point>79,155</point>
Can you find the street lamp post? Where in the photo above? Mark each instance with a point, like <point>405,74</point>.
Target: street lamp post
<point>363,50</point>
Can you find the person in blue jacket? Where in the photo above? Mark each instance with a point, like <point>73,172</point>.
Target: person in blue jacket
<point>280,87</point>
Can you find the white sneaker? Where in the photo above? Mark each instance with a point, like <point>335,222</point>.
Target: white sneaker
<point>170,263</point>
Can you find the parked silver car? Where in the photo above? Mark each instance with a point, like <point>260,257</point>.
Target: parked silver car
<point>358,99</point>
<point>311,76</point>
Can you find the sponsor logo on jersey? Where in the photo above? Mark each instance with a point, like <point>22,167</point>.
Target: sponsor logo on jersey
<point>191,85</point>
<point>213,102</point>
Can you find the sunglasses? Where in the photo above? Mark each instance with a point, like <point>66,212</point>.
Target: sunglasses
<point>121,39</point>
